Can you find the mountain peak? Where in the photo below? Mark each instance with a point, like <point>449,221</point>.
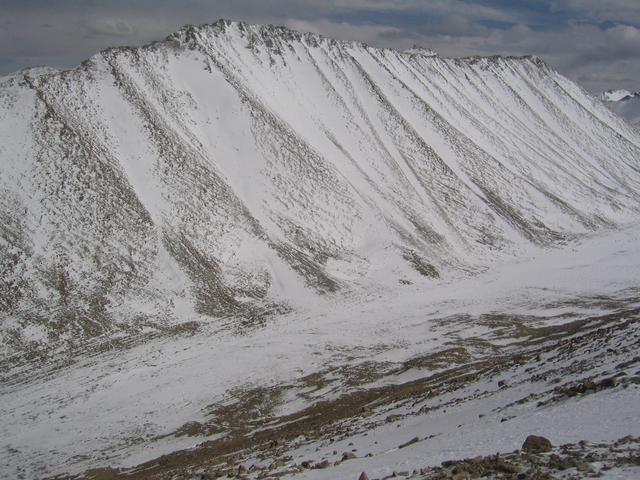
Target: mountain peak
<point>617,95</point>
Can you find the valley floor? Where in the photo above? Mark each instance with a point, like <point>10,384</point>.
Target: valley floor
<point>392,380</point>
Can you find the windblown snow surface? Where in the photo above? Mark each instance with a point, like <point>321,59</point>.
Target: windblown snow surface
<point>206,238</point>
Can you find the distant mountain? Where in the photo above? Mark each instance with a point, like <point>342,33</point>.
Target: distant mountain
<point>617,95</point>
<point>235,170</point>
<point>624,103</point>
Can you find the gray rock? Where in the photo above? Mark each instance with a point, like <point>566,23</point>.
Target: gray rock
<point>608,382</point>
<point>536,444</point>
<point>410,442</point>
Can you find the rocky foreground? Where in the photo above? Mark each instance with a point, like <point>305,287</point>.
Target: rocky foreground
<point>538,459</point>
<point>581,376</point>
<point>392,381</point>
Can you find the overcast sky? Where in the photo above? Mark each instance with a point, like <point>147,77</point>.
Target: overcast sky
<point>595,42</point>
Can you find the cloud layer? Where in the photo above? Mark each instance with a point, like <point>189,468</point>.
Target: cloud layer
<point>594,42</point>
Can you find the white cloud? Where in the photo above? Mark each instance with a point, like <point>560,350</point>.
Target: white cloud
<point>370,34</point>
<point>465,8</point>
<point>109,27</point>
<point>600,10</point>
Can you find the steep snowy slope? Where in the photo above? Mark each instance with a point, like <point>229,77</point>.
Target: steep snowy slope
<point>238,171</point>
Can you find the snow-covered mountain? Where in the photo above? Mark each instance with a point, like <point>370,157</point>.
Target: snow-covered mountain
<point>624,103</point>
<point>616,95</point>
<point>248,252</point>
<point>235,170</point>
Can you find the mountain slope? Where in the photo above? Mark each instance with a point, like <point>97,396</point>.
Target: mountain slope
<point>238,171</point>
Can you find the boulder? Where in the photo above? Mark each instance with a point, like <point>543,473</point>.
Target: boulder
<point>536,444</point>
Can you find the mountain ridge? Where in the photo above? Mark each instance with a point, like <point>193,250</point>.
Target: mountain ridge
<point>264,29</point>
<point>240,171</point>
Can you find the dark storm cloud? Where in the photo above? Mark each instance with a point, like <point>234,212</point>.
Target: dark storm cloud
<point>596,42</point>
